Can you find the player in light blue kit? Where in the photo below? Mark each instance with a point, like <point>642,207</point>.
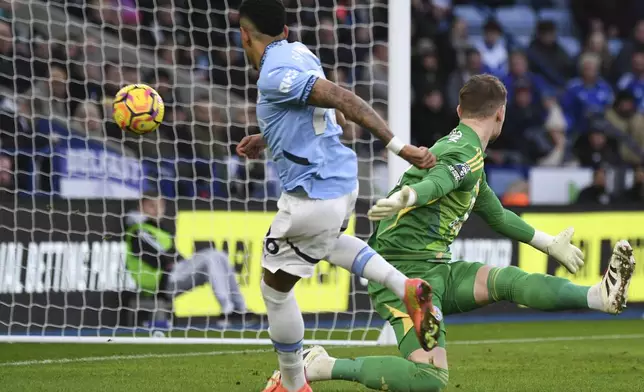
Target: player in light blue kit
<point>296,111</point>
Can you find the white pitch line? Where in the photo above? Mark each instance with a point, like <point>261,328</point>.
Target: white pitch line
<point>259,351</point>
<point>545,340</point>
<point>129,357</point>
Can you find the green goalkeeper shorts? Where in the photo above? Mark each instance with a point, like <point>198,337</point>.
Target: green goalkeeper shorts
<point>453,288</point>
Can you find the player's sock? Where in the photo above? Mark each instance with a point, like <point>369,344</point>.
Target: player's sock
<point>356,256</point>
<point>389,373</point>
<point>536,291</point>
<point>286,329</point>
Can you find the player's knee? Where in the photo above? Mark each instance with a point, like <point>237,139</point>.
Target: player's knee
<point>272,296</point>
<point>481,290</point>
<point>436,357</point>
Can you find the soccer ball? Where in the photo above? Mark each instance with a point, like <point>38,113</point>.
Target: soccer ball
<point>138,108</point>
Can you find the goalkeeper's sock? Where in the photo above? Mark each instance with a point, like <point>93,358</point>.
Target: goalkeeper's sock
<point>286,329</point>
<point>536,291</point>
<point>355,255</point>
<point>393,374</point>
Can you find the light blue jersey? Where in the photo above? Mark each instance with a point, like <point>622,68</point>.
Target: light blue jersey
<point>303,140</point>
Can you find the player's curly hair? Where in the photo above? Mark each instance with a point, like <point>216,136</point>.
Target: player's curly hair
<point>268,16</point>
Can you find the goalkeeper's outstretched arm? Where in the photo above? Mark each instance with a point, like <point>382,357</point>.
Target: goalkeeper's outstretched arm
<point>509,224</point>
<point>437,183</point>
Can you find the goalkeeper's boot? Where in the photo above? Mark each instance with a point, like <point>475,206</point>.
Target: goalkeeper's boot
<point>274,384</point>
<point>425,316</point>
<point>617,279</point>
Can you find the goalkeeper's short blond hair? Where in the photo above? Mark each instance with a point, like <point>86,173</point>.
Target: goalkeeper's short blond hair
<point>482,96</point>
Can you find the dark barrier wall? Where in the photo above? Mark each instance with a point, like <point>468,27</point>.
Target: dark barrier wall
<point>61,263</point>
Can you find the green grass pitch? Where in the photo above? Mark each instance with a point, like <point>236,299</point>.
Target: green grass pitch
<point>545,356</point>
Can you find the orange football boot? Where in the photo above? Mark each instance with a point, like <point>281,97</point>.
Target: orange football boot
<point>418,300</point>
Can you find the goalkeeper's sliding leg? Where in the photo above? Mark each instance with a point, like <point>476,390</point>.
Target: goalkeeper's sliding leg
<point>461,287</point>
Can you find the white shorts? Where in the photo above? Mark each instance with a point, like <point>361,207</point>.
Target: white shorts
<point>304,232</point>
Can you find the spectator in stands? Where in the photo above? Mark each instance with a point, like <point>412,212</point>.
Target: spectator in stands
<point>87,74</point>
<point>208,127</point>
<point>595,147</point>
<point>52,100</point>
<point>623,61</point>
<point>162,81</point>
<point>87,120</point>
<point>377,74</point>
<point>598,44</point>
<point>17,128</point>
<point>431,118</point>
<point>629,126</point>
<point>494,52</point>
<point>587,94</point>
<point>633,81</point>
<point>426,67</point>
<point>596,193</point>
<point>157,267</point>
<point>7,183</point>
<point>473,66</point>
<point>452,46</point>
<point>547,56</point>
<point>524,134</point>
<point>15,71</point>
<point>519,70</point>
<point>636,193</point>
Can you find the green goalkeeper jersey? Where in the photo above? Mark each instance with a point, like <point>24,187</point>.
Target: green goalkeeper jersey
<point>447,194</point>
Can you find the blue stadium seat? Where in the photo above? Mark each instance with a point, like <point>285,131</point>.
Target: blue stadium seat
<point>470,14</point>
<point>523,41</point>
<point>561,19</point>
<point>517,20</point>
<point>570,45</point>
<point>615,46</point>
<point>500,178</point>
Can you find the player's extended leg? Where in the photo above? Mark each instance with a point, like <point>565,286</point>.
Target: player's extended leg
<point>207,266</point>
<point>222,277</point>
<point>476,285</point>
<point>358,257</point>
<point>286,329</point>
<point>416,370</point>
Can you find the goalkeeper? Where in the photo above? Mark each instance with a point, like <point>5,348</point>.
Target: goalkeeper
<point>416,225</point>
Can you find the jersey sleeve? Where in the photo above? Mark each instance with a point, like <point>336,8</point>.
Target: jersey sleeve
<point>287,85</point>
<point>453,171</point>
<point>501,220</point>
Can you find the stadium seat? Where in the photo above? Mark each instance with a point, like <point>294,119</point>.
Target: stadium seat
<point>500,178</point>
<point>561,19</point>
<point>615,46</point>
<point>517,20</point>
<point>523,41</point>
<point>470,14</point>
<point>570,45</point>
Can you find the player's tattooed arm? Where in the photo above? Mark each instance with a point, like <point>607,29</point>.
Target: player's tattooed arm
<point>326,94</point>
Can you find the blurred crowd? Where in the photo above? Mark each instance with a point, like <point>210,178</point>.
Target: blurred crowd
<point>574,70</point>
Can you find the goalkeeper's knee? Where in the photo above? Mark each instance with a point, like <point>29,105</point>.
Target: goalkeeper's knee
<point>428,379</point>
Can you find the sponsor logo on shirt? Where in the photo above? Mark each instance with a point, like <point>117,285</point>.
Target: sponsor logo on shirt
<point>287,82</point>
<point>459,171</point>
<point>455,136</point>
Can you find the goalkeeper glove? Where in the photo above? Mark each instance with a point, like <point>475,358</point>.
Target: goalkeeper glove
<point>560,248</point>
<point>384,208</point>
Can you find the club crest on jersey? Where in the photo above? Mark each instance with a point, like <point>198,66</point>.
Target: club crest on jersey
<point>459,171</point>
<point>454,136</point>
